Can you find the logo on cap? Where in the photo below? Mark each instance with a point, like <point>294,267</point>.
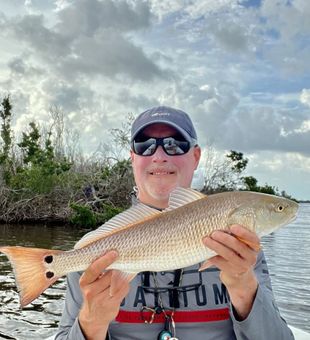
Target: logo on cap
<point>160,114</point>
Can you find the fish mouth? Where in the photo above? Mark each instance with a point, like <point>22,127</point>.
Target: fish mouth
<point>293,218</point>
<point>295,209</point>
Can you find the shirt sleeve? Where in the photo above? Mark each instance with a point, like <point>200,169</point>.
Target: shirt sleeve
<point>69,327</point>
<point>264,321</point>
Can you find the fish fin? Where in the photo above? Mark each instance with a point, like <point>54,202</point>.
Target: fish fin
<point>31,272</point>
<point>117,277</point>
<point>255,246</point>
<point>137,213</point>
<point>181,196</point>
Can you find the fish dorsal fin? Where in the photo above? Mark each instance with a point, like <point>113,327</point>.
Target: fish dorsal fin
<point>181,196</point>
<point>123,220</point>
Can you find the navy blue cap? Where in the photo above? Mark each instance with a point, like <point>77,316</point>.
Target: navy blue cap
<point>178,119</point>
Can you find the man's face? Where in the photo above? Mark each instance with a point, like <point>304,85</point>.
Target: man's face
<point>157,175</point>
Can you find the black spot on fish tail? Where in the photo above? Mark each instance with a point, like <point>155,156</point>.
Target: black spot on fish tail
<point>49,275</point>
<point>49,259</point>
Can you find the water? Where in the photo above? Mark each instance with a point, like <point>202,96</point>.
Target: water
<point>39,319</point>
<point>287,252</point>
<point>288,256</point>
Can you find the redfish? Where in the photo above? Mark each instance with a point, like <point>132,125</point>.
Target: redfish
<point>147,239</point>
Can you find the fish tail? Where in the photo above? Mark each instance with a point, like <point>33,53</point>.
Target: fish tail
<point>31,269</point>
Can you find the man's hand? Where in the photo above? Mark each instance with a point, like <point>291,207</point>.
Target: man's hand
<point>99,307</point>
<point>236,260</point>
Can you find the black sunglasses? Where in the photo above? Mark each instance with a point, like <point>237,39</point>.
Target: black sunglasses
<point>171,146</point>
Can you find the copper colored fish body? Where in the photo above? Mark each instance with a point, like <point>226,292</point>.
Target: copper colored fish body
<point>150,240</point>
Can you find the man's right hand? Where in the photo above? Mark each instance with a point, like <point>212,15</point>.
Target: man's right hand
<point>99,308</point>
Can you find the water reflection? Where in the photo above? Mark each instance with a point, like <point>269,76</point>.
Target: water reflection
<point>287,252</point>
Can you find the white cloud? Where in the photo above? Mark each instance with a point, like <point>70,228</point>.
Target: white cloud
<point>304,128</point>
<point>289,25</point>
<point>264,128</point>
<point>89,38</point>
<point>162,8</point>
<point>286,171</point>
<point>305,97</point>
<point>61,5</point>
<point>205,7</point>
<point>84,18</point>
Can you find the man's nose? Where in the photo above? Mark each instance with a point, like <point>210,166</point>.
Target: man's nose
<point>159,155</point>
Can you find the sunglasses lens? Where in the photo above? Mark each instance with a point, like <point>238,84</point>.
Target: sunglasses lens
<point>175,147</point>
<point>145,148</point>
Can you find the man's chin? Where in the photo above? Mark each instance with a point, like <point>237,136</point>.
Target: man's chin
<point>162,193</point>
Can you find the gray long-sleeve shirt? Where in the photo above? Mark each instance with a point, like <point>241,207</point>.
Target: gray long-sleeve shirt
<point>204,309</point>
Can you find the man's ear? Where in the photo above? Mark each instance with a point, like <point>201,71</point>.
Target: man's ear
<point>132,156</point>
<point>197,155</point>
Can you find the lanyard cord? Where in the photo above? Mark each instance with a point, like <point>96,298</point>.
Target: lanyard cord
<point>178,276</point>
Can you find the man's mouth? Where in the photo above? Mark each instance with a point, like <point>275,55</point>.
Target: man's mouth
<point>161,172</point>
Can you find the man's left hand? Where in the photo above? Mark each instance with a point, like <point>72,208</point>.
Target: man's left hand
<point>236,260</point>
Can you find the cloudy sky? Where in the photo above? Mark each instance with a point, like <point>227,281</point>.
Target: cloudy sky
<point>240,68</point>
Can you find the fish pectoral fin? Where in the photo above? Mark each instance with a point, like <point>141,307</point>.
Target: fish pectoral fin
<point>32,276</point>
<point>119,278</point>
<point>181,196</point>
<point>137,213</point>
<point>253,245</point>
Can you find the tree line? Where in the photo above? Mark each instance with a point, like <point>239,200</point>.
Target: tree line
<point>45,177</point>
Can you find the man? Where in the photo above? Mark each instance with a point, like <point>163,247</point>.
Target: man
<point>230,299</point>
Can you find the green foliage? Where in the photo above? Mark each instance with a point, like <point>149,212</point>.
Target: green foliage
<point>251,185</point>
<point>6,132</point>
<point>35,180</point>
<point>36,155</point>
<point>85,216</point>
<point>6,136</point>
<point>268,189</point>
<point>119,168</point>
<point>41,172</point>
<point>82,216</point>
<point>109,211</point>
<point>30,145</point>
<point>238,162</point>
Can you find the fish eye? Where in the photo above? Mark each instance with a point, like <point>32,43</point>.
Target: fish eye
<point>280,208</point>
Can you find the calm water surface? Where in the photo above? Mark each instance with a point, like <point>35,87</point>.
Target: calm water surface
<point>287,252</point>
